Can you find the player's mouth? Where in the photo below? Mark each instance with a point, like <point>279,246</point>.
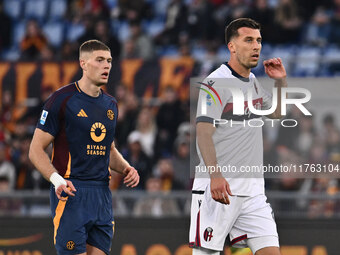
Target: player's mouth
<point>255,56</point>
<point>105,75</point>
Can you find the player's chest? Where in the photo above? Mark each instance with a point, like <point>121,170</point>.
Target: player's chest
<point>243,95</point>
<point>250,91</point>
<point>82,116</point>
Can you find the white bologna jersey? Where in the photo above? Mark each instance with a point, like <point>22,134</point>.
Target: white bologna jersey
<point>238,144</point>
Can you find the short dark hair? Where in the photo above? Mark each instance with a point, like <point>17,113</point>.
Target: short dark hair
<point>231,29</point>
<point>93,45</point>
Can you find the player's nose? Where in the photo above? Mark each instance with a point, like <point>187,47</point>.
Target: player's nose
<point>256,46</point>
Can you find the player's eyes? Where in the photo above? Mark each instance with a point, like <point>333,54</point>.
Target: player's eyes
<point>259,41</point>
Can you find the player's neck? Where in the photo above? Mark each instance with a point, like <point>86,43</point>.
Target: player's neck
<point>89,88</point>
<point>241,70</point>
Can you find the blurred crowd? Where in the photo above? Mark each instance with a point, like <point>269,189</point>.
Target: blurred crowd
<point>155,137</point>
<point>147,29</point>
<point>314,153</point>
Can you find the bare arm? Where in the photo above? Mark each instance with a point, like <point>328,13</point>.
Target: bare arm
<point>275,70</point>
<point>120,165</point>
<point>205,132</point>
<point>218,184</point>
<point>42,162</point>
<point>37,153</point>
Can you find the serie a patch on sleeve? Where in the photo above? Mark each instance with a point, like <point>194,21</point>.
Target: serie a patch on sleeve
<point>43,117</point>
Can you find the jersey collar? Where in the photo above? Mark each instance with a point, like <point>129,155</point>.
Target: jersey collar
<point>83,93</point>
<point>233,72</point>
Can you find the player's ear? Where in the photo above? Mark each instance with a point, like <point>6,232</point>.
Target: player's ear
<point>83,58</point>
<point>82,63</point>
<point>231,47</point>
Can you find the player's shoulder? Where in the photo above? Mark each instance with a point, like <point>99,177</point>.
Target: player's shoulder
<point>65,90</point>
<point>59,95</point>
<point>254,80</point>
<point>219,77</point>
<point>108,97</point>
<point>252,76</point>
<point>221,72</point>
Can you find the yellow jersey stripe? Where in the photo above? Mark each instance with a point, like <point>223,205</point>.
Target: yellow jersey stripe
<point>110,176</point>
<point>52,157</point>
<point>58,213</point>
<point>77,86</point>
<point>68,170</point>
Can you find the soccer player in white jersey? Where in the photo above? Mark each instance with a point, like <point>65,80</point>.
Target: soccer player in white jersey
<point>228,203</point>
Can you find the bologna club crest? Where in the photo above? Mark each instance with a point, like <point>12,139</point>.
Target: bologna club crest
<point>208,234</point>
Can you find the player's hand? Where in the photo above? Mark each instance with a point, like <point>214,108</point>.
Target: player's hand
<point>68,189</point>
<point>131,178</point>
<point>220,190</point>
<point>274,68</point>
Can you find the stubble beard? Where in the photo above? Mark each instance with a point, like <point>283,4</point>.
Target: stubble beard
<point>249,65</point>
<point>253,65</point>
<point>100,83</point>
<point>246,64</point>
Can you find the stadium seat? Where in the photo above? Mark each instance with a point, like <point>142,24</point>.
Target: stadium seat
<point>273,3</point>
<point>19,29</point>
<point>123,31</point>
<point>266,49</point>
<point>307,61</point>
<point>35,9</point>
<point>198,53</point>
<point>13,8</point>
<point>12,54</point>
<point>330,62</point>
<point>111,3</point>
<point>54,31</point>
<point>74,31</point>
<point>154,27</point>
<point>223,53</point>
<point>170,51</point>
<point>332,54</point>
<point>286,53</point>
<point>160,8</point>
<point>57,9</point>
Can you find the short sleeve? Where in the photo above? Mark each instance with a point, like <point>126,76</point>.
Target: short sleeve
<point>49,118</point>
<point>211,100</point>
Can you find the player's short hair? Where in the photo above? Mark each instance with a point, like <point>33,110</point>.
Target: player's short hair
<point>93,45</point>
<point>231,30</point>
